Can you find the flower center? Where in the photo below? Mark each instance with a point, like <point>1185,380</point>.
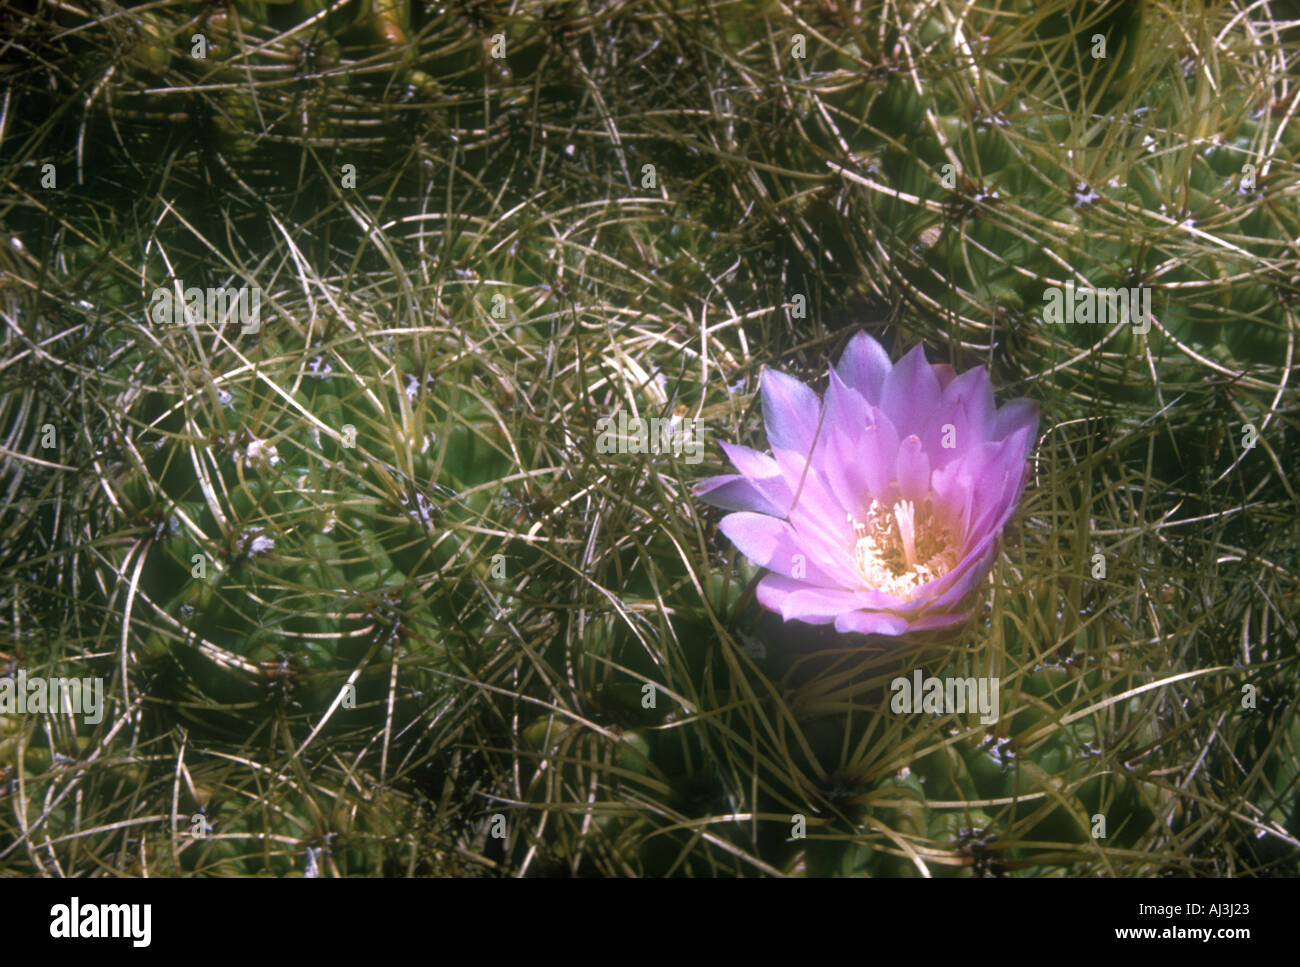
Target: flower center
<point>901,547</point>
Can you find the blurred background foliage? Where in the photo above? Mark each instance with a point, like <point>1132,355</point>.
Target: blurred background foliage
<point>369,600</point>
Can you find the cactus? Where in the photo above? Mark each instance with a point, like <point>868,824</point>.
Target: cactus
<point>362,575</point>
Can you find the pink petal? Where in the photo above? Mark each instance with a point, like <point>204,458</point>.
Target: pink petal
<point>791,412</point>
<point>870,623</point>
<point>854,468</point>
<point>815,508</point>
<point>774,588</point>
<point>734,492</point>
<point>945,374</point>
<point>813,605</point>
<point>912,470</point>
<point>775,545</point>
<point>911,393</point>
<point>967,406</point>
<point>845,406</point>
<point>864,366</point>
<point>764,473</point>
<point>1021,414</point>
<point>953,493</point>
<point>1000,481</point>
<point>938,622</point>
<point>974,387</point>
<point>879,454</point>
<point>949,590</point>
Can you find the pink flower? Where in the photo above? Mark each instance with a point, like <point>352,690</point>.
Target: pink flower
<point>881,510</point>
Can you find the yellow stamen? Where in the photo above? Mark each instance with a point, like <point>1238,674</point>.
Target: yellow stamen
<point>898,548</point>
